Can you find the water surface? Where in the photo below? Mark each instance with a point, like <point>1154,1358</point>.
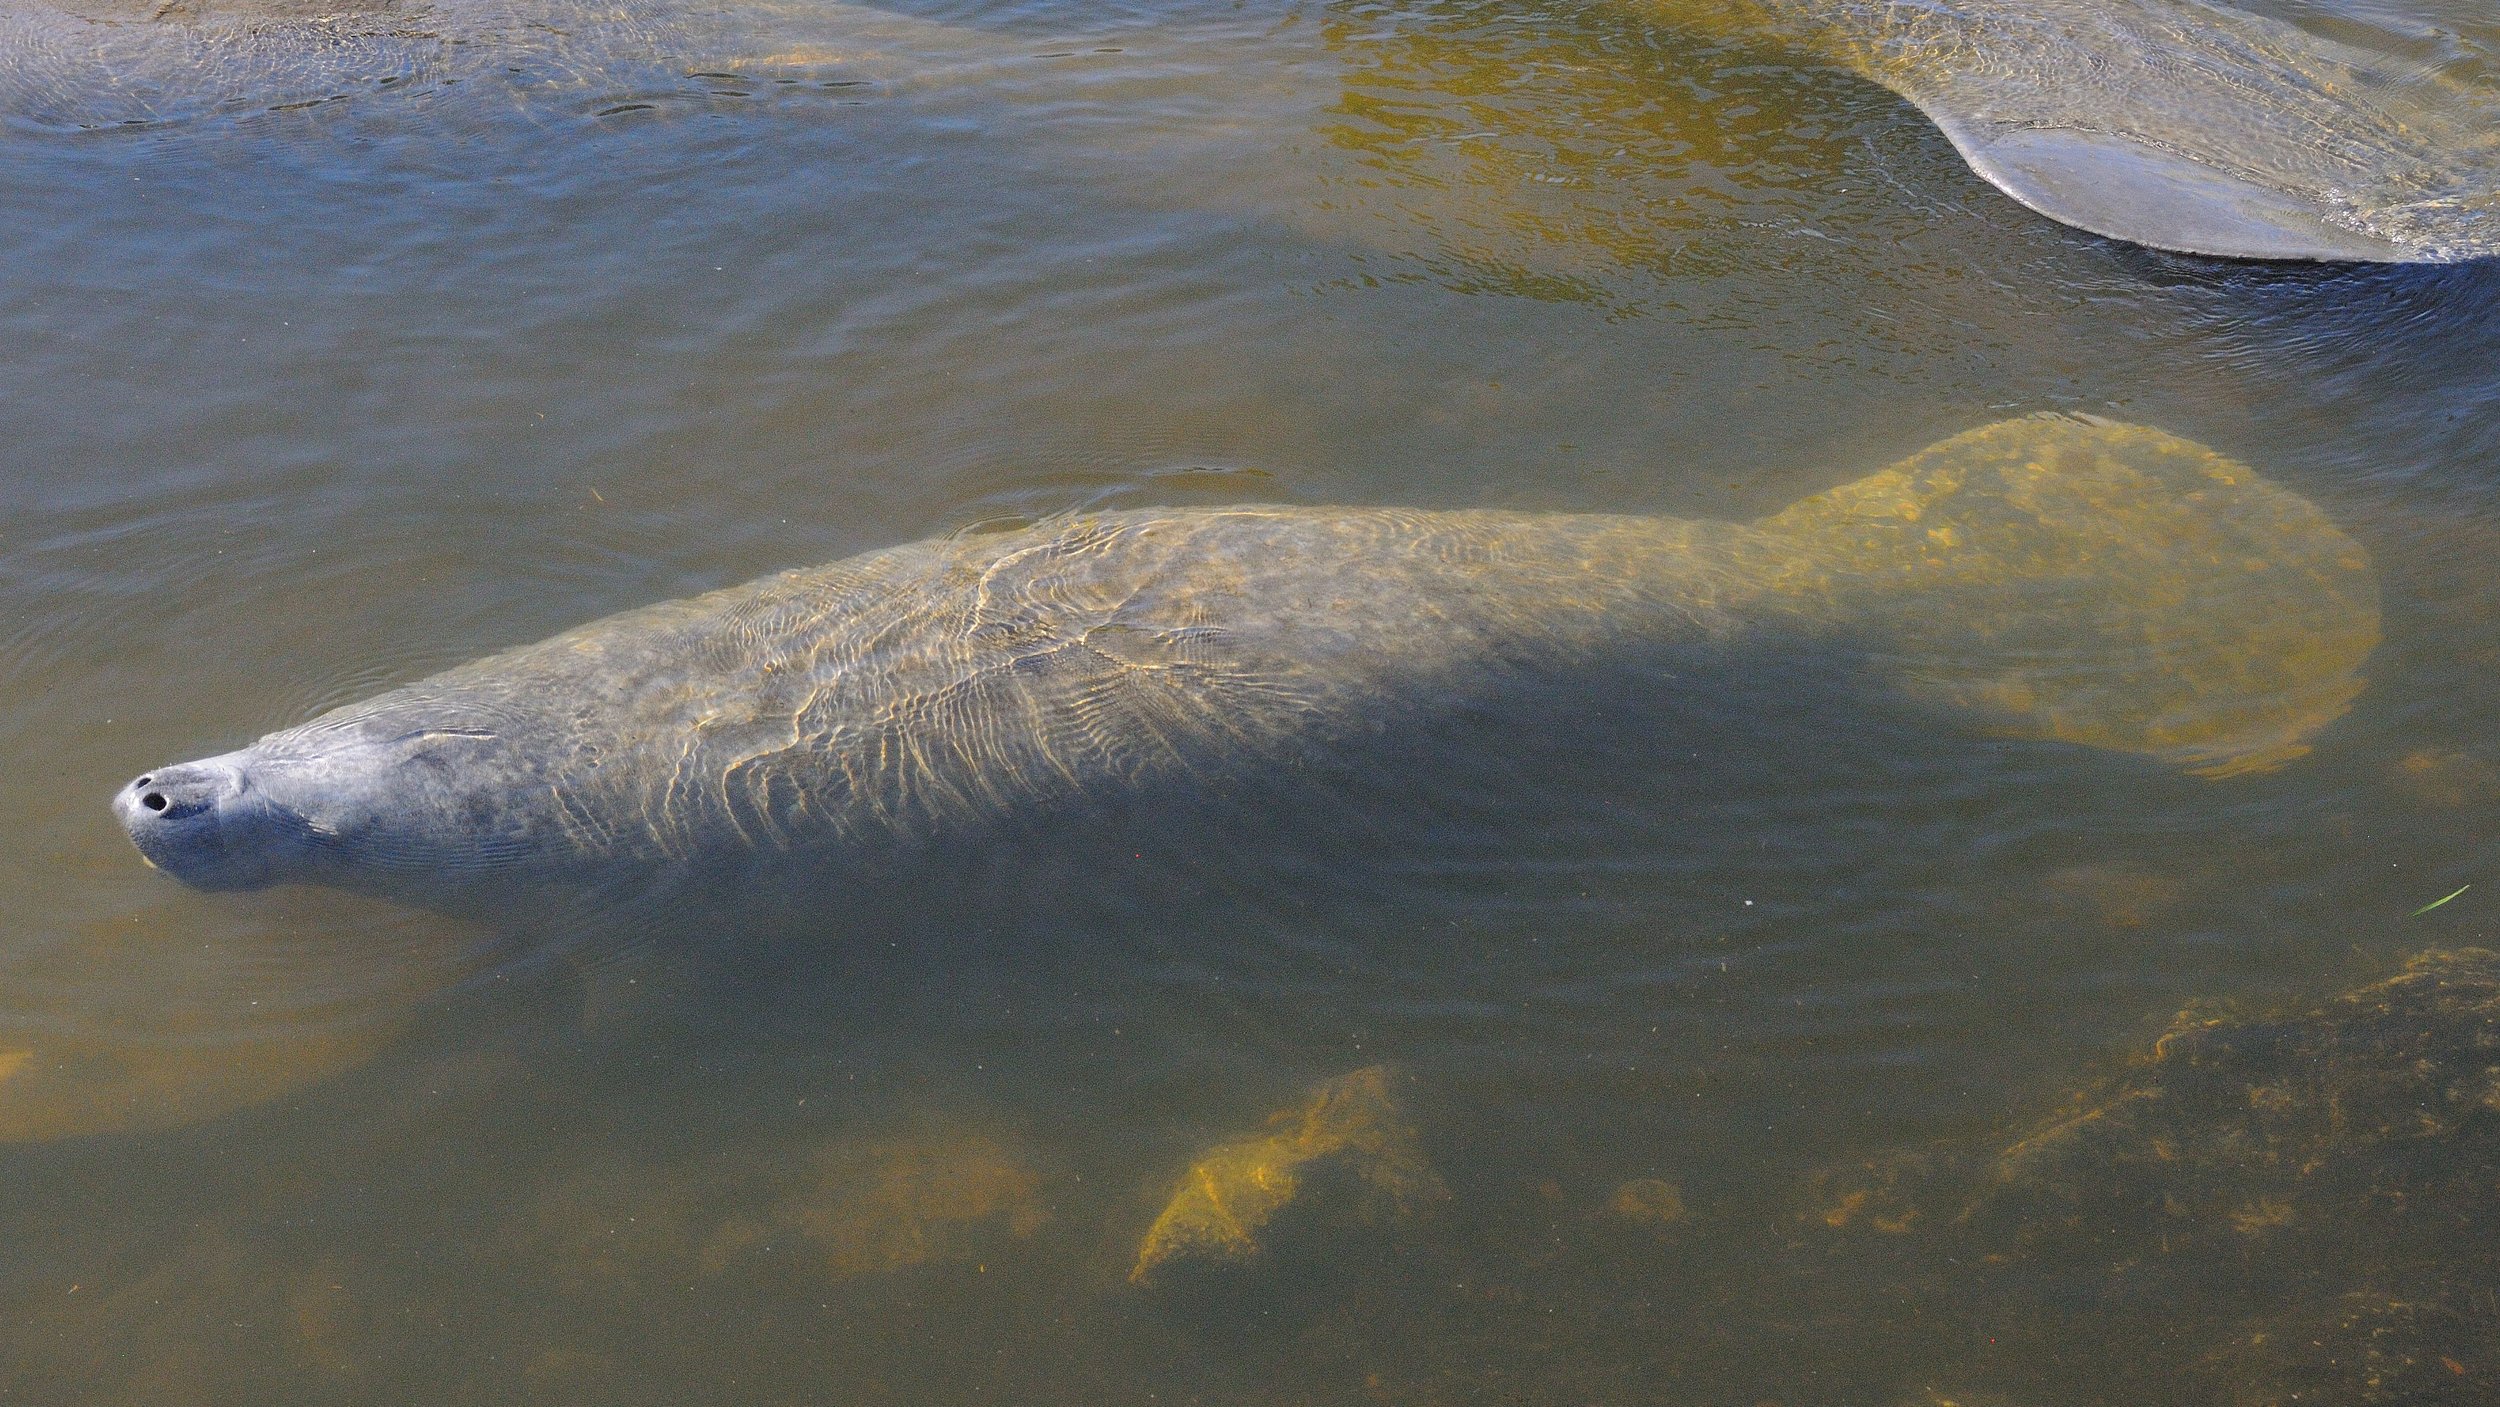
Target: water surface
<point>300,404</point>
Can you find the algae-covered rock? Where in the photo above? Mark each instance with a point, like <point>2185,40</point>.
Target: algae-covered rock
<point>2324,1178</point>
<point>2258,1209</point>
<point>2372,1120</point>
<point>1350,1133</point>
<point>895,1203</point>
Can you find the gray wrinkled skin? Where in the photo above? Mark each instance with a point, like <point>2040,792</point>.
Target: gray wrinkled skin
<point>2082,581</point>
<point>2190,125</point>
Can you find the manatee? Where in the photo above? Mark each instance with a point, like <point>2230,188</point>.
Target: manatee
<point>2055,578</point>
<point>2187,125</point>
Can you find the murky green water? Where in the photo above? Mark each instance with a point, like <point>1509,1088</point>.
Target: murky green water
<point>300,404</point>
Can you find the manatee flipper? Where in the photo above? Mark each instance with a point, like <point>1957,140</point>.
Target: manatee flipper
<point>2188,125</point>
<point>2092,582</point>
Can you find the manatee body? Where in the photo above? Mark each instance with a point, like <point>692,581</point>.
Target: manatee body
<point>2103,584</point>
<point>2190,125</point>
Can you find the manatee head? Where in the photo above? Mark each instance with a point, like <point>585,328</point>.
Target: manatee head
<point>365,802</point>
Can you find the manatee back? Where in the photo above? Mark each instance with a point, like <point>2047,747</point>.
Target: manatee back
<point>948,686</point>
<point>938,684</point>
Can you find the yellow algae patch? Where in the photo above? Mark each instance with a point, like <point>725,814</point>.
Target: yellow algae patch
<point>2263,1214</point>
<point>885,1205</point>
<point>2121,896</point>
<point>1652,1201</point>
<point>821,1211</point>
<point>2445,778</point>
<point>2085,581</point>
<point>1231,1193</point>
<point>1878,1195</point>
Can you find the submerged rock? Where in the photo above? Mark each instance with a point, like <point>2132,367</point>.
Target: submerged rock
<point>808,1212</point>
<point>2366,1349</point>
<point>1349,1136</point>
<point>2297,1207</point>
<point>2372,1120</point>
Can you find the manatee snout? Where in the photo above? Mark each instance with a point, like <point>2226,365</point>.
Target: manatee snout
<point>185,820</point>
<point>408,797</point>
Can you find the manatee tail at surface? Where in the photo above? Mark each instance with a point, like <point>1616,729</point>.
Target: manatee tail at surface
<point>2085,581</point>
<point>2187,125</point>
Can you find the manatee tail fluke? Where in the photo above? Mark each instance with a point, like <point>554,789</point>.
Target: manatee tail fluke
<point>2093,582</point>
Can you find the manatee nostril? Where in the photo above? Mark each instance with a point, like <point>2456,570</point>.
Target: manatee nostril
<point>154,801</point>
<point>143,781</point>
